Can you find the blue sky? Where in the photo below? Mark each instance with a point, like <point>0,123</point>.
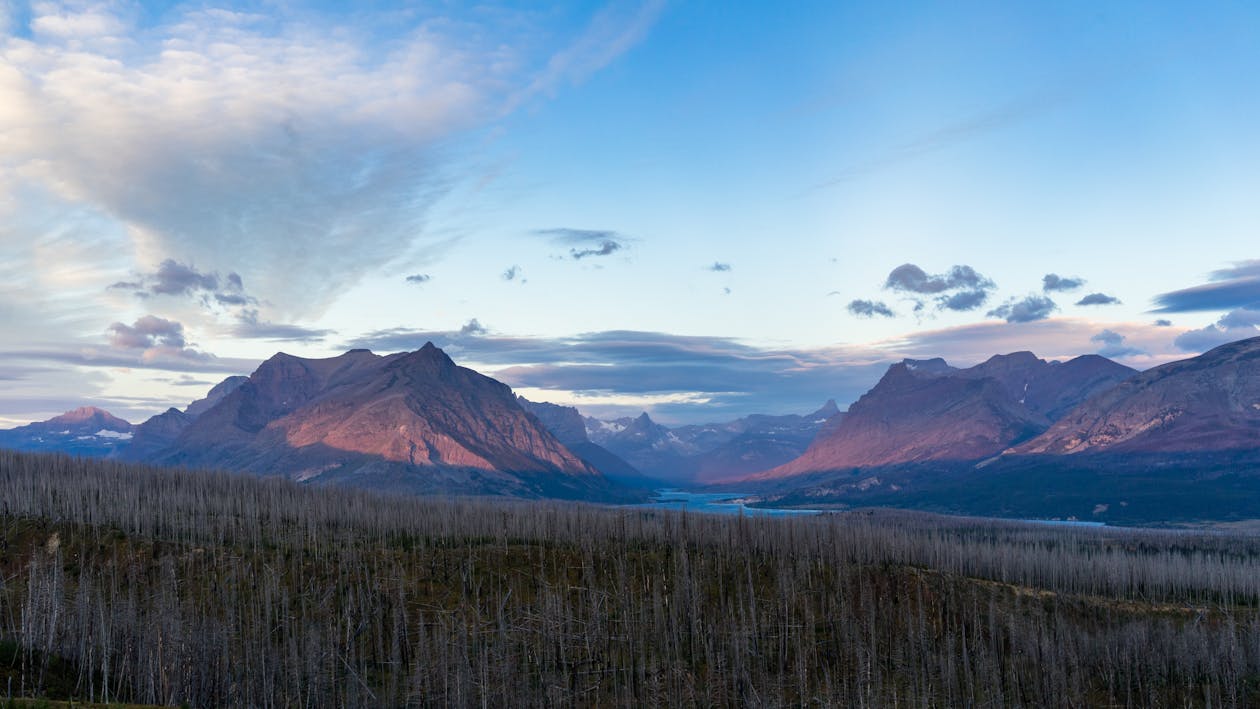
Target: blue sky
<point>701,210</point>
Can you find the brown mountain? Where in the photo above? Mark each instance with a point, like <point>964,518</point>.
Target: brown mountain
<point>1203,404</point>
<point>411,421</point>
<point>925,410</point>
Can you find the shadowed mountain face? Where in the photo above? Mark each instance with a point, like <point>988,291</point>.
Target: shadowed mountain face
<point>566,423</point>
<point>412,421</point>
<point>1207,403</point>
<point>85,431</point>
<point>710,452</point>
<point>925,410</point>
<point>161,430</point>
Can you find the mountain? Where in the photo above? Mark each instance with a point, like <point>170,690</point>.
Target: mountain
<point>86,430</point>
<point>160,431</point>
<point>565,422</point>
<point>215,395</point>
<point>710,452</point>
<point>926,410</point>
<point>1209,403</point>
<point>412,422</point>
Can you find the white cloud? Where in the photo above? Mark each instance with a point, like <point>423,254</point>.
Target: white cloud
<point>297,152</point>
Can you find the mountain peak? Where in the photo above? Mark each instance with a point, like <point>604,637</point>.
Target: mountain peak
<point>86,414</point>
<point>827,410</point>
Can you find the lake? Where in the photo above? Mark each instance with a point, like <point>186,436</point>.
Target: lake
<point>722,503</point>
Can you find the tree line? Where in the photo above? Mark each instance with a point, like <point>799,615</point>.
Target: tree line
<point>127,583</point>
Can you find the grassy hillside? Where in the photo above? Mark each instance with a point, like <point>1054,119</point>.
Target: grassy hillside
<point>125,583</point>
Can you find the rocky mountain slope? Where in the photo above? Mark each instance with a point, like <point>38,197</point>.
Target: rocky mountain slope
<point>412,421</point>
<point>925,410</point>
<point>1203,404</point>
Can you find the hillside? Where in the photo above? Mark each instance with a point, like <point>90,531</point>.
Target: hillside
<point>137,584</point>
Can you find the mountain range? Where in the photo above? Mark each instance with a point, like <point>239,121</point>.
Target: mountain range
<point>707,453</point>
<point>926,410</point>
<point>1014,435</point>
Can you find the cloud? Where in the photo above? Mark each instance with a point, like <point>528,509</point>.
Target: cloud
<point>148,331</point>
<point>870,308</point>
<point>967,129</point>
<point>963,301</point>
<point>1054,282</point>
<point>149,341</point>
<point>605,248</point>
<point>960,288</point>
<point>597,242</point>
<point>710,378</point>
<point>567,236</point>
<point>249,326</point>
<point>1098,299</point>
<point>1113,345</point>
<point>1235,325</point>
<point>472,327</point>
<point>1235,287</point>
<point>303,150</point>
<point>1022,310</point>
<point>511,273</point>
<point>909,278</point>
<point>719,267</point>
<point>419,278</point>
<point>173,278</point>
<point>612,32</point>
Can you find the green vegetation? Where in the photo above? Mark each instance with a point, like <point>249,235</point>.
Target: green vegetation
<point>126,583</point>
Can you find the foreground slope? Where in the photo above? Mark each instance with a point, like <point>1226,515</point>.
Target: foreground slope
<point>412,422</point>
<point>128,583</point>
<point>926,410</point>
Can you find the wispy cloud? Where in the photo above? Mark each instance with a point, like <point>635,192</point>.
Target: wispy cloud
<point>300,153</point>
<point>585,243</point>
<point>1235,287</point>
<point>728,375</point>
<point>173,278</point>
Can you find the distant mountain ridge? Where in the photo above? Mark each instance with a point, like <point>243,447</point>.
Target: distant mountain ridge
<point>710,452</point>
<point>86,430</point>
<point>926,410</point>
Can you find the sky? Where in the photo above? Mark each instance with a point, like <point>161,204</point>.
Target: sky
<point>701,210</point>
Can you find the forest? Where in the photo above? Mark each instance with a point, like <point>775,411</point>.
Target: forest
<point>125,583</point>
